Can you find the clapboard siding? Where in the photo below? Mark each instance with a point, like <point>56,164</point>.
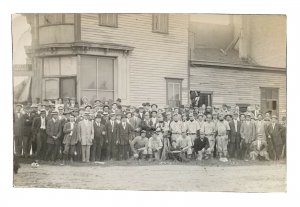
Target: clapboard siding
<point>155,56</point>
<point>238,86</point>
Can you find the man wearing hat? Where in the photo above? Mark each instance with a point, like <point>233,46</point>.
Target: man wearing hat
<point>154,146</point>
<point>85,136</point>
<point>18,119</point>
<point>139,146</point>
<point>176,127</point>
<point>260,128</point>
<point>141,112</point>
<point>99,140</point>
<point>112,137</point>
<point>274,132</point>
<point>222,130</point>
<point>135,122</point>
<point>27,132</point>
<point>209,130</point>
<point>234,136</point>
<point>70,139</point>
<point>54,131</point>
<point>185,144</point>
<point>193,127</point>
<point>124,135</point>
<point>147,125</point>
<point>39,131</point>
<point>247,135</point>
<point>201,147</point>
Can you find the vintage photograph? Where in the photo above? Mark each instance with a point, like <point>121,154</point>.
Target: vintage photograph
<point>150,101</point>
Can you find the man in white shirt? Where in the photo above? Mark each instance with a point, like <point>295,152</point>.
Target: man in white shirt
<point>193,127</point>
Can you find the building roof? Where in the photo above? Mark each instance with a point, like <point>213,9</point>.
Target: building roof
<point>216,55</point>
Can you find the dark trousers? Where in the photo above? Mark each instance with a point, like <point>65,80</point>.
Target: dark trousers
<point>78,151</point>
<point>69,151</point>
<point>18,145</point>
<point>124,152</point>
<point>278,150</point>
<point>33,145</point>
<point>233,149</point>
<point>26,145</point>
<point>111,151</point>
<point>41,144</point>
<point>96,149</point>
<point>52,150</point>
<point>245,150</point>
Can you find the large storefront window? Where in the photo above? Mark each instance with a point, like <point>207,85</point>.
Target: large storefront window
<point>59,77</point>
<point>97,78</point>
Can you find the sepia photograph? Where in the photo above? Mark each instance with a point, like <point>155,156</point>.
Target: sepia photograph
<point>150,101</point>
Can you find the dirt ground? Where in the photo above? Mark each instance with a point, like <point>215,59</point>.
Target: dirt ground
<point>212,175</point>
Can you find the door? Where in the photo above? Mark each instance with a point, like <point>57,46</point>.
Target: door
<point>68,87</point>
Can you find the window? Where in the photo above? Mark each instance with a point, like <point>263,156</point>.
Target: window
<point>269,100</point>
<point>55,19</point>
<point>160,23</point>
<point>110,20</point>
<point>98,79</point>
<point>204,98</point>
<point>59,77</point>
<point>243,107</point>
<point>173,92</point>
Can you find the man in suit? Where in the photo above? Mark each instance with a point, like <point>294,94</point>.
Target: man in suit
<point>111,133</point>
<point>27,132</point>
<point>53,131</point>
<point>39,130</point>
<point>274,132</point>
<point>18,129</point>
<point>124,132</point>
<point>70,139</point>
<point>99,139</point>
<point>135,122</point>
<point>234,136</point>
<point>141,112</point>
<point>247,135</point>
<point>147,125</point>
<point>85,136</point>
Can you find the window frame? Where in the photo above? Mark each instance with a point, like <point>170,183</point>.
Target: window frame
<point>269,99</point>
<point>204,92</point>
<point>56,24</point>
<point>174,81</point>
<point>100,23</point>
<point>154,30</point>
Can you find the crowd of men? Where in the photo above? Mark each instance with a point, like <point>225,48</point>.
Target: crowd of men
<point>89,133</point>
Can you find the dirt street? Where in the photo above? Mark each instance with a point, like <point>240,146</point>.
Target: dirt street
<point>252,177</point>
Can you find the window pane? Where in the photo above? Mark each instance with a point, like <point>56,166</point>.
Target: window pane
<point>69,18</point>
<point>51,66</point>
<point>269,94</point>
<point>105,95</point>
<point>274,105</point>
<point>68,65</point>
<point>106,73</point>
<point>50,19</point>
<point>176,91</point>
<point>68,87</point>
<point>170,91</point>
<point>91,95</point>
<point>88,72</point>
<point>108,19</point>
<point>51,89</point>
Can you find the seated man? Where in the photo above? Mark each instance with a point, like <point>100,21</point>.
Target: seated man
<point>139,146</point>
<point>154,146</point>
<point>185,144</point>
<point>258,150</point>
<point>175,152</point>
<point>201,147</point>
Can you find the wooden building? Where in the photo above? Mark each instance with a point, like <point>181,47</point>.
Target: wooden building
<point>135,57</point>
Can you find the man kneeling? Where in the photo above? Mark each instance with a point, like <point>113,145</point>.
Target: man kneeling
<point>201,147</point>
<point>154,146</point>
<point>185,144</point>
<point>139,146</point>
<point>258,150</point>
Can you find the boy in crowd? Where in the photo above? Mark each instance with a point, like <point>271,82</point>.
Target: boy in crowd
<point>154,146</point>
<point>247,135</point>
<point>70,139</point>
<point>222,130</point>
<point>209,131</point>
<point>185,145</point>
